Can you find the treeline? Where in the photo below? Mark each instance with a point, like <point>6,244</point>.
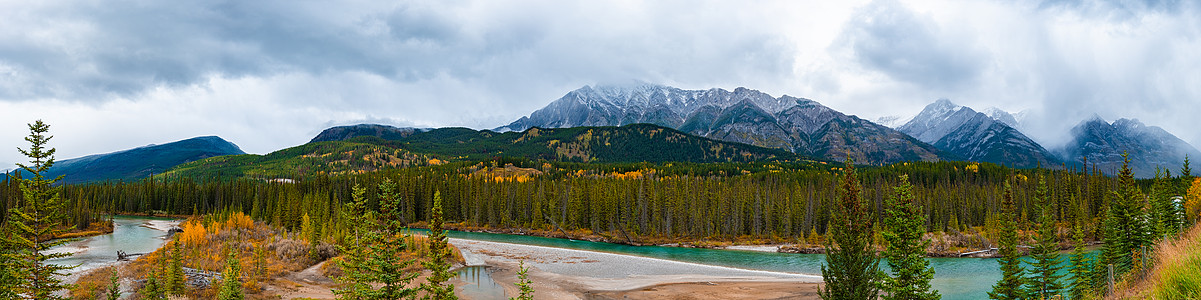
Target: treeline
<point>1133,223</point>
<point>712,201</point>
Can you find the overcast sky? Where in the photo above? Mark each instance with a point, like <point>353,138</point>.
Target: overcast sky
<point>116,74</point>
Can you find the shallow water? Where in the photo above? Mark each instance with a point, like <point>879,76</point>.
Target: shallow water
<point>129,234</point>
<point>954,278</point>
<point>480,285</point>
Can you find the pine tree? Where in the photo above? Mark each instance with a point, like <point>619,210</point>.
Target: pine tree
<point>114,285</point>
<point>436,288</point>
<point>1163,214</point>
<point>175,280</point>
<point>1012,283</point>
<point>523,283</point>
<point>33,224</point>
<point>9,278</point>
<point>1125,225</point>
<point>904,225</point>
<point>1081,266</point>
<point>356,273</point>
<point>1185,171</point>
<point>1044,270</point>
<point>852,270</point>
<point>260,263</point>
<point>385,260</point>
<point>152,289</point>
<point>231,279</point>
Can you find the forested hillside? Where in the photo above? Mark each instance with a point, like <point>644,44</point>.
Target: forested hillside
<point>368,152</point>
<point>768,200</point>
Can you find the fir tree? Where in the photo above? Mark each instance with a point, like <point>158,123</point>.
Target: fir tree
<point>260,263</point>
<point>523,283</point>
<point>904,225</point>
<point>852,270</point>
<point>1163,214</point>
<point>175,280</point>
<point>231,279</point>
<point>1044,270</point>
<point>1185,171</point>
<point>436,288</point>
<point>385,259</point>
<point>33,224</point>
<point>114,285</point>
<point>1125,226</point>
<point>356,274</point>
<point>151,289</point>
<point>1012,283</point>
<point>1081,265</point>
<point>9,278</point>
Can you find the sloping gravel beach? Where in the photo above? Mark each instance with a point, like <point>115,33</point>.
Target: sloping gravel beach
<point>575,274</point>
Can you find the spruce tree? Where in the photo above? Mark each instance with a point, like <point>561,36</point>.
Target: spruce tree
<point>1081,266</point>
<point>1185,171</point>
<point>231,279</point>
<point>1044,270</point>
<point>114,285</point>
<point>1012,283</point>
<point>33,224</point>
<point>1125,225</point>
<point>152,289</point>
<point>904,225</point>
<point>385,259</point>
<point>523,283</point>
<point>9,278</point>
<point>439,252</point>
<point>175,280</point>
<point>852,270</point>
<point>356,273</point>
<point>1162,214</point>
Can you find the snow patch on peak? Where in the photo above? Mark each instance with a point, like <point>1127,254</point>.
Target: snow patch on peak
<point>893,121</point>
<point>1002,116</point>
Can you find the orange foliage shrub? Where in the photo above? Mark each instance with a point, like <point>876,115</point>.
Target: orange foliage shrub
<point>193,234</point>
<point>238,220</point>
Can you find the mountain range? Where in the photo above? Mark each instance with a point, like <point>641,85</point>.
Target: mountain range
<point>141,162</point>
<point>655,123</point>
<point>743,115</point>
<point>358,148</point>
<point>1103,143</point>
<point>997,136</point>
<point>976,136</point>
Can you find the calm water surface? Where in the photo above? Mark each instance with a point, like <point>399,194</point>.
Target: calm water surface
<point>129,234</point>
<point>954,278</point>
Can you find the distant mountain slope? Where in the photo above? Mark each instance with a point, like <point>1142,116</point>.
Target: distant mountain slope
<point>342,133</point>
<point>319,158</point>
<point>976,136</point>
<point>141,162</point>
<point>1148,146</point>
<point>631,143</point>
<point>746,116</point>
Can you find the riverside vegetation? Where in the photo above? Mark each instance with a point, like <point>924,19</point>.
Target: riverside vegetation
<point>965,206</point>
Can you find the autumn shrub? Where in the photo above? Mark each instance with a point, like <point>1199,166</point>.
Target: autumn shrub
<point>91,285</point>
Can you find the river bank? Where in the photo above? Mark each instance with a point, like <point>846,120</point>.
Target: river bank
<point>129,234</point>
<point>560,273</point>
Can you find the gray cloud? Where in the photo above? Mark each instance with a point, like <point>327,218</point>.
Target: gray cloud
<point>888,37</point>
<point>270,74</point>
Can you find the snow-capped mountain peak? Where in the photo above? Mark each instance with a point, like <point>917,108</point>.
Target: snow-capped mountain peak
<point>976,136</point>
<point>893,121</point>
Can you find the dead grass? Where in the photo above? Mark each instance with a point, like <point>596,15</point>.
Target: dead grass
<point>1177,272</point>
<point>92,285</point>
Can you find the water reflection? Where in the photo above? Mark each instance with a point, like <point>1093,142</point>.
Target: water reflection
<point>479,284</point>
